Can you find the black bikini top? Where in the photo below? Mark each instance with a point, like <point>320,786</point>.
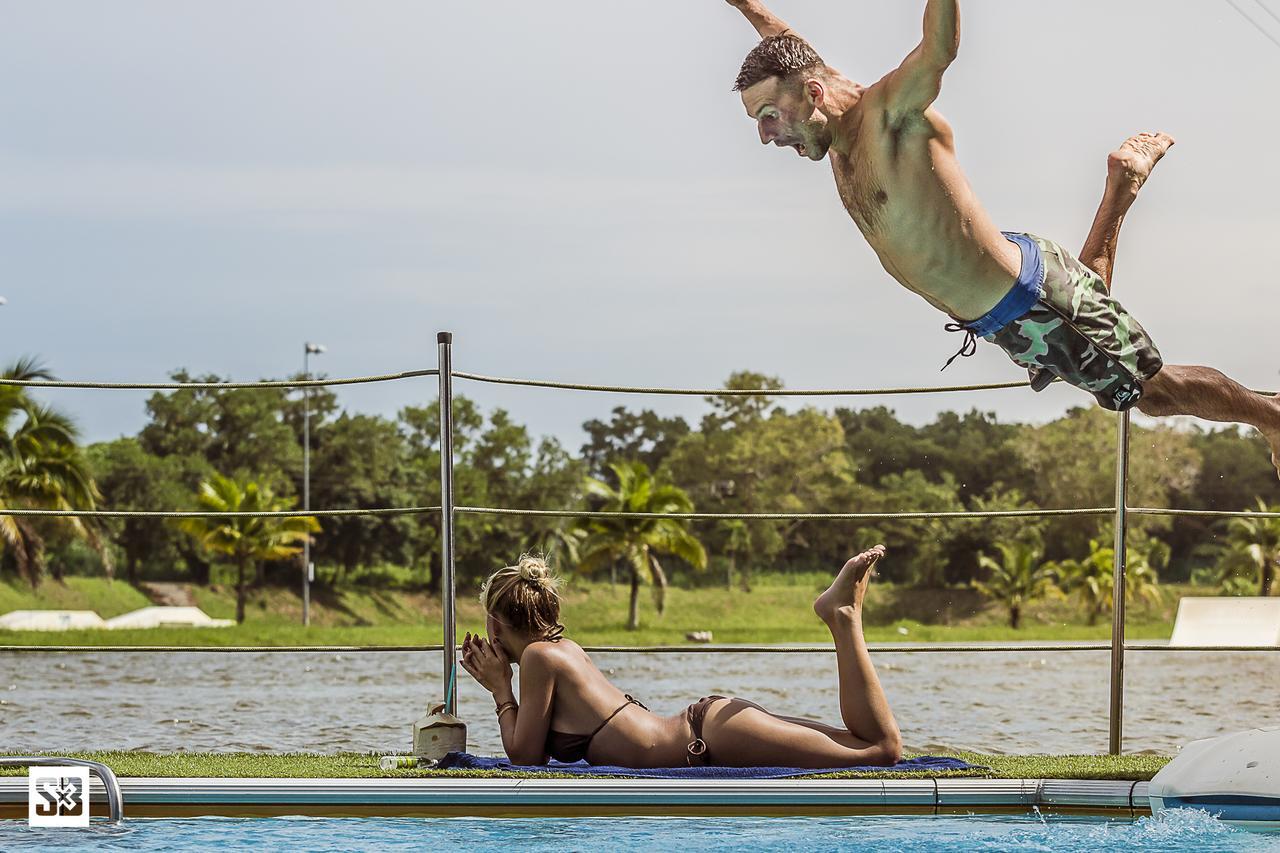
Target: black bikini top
<point>570,748</point>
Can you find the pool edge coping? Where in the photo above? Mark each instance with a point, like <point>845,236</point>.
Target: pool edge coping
<point>533,797</point>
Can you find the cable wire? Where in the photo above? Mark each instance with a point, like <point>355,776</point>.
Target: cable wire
<point>682,516</point>
<point>735,392</point>
<point>122,513</point>
<point>962,648</point>
<point>784,516</point>
<point>175,386</point>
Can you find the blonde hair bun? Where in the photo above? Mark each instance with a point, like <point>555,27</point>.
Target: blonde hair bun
<point>524,597</point>
<point>535,569</point>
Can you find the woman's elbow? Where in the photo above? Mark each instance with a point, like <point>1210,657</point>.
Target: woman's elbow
<point>527,758</point>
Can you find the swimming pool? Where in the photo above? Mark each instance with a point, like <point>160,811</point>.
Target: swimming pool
<point>1179,830</point>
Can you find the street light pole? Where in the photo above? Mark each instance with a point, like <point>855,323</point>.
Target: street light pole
<point>308,350</point>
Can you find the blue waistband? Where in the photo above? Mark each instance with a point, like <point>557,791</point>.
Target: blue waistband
<point>1021,297</point>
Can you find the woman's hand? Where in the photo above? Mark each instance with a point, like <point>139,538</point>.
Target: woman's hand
<point>488,664</point>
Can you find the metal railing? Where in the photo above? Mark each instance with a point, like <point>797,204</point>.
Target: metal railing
<point>115,800</point>
<point>449,511</point>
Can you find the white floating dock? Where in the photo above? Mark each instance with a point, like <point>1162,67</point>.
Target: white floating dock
<point>146,617</point>
<point>461,797</point>
<point>50,620</point>
<point>1227,622</point>
<point>167,617</point>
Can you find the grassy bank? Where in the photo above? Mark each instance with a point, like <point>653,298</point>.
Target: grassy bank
<point>365,765</point>
<point>778,610</point>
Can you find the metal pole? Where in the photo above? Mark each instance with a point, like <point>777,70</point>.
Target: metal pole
<point>306,484</point>
<point>1118,587</point>
<point>444,342</point>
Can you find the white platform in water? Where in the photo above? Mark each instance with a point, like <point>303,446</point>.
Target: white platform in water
<point>1236,778</point>
<point>1227,622</point>
<point>50,620</point>
<point>167,617</point>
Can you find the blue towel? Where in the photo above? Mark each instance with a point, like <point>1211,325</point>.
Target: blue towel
<point>465,761</point>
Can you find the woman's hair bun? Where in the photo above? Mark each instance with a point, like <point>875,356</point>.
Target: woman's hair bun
<point>524,597</point>
<point>534,569</point>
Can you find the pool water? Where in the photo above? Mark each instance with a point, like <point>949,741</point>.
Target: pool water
<point>1178,830</point>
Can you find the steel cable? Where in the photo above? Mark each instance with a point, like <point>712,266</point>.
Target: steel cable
<point>696,650</point>
<point>176,386</point>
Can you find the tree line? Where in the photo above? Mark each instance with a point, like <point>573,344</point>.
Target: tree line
<point>747,454</point>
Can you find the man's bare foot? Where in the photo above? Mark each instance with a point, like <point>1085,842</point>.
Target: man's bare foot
<point>1131,164</point>
<point>850,586</point>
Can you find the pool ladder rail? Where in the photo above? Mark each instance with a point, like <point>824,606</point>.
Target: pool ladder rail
<point>115,799</point>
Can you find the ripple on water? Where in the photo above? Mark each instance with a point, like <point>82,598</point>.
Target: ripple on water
<point>991,703</point>
<point>712,834</point>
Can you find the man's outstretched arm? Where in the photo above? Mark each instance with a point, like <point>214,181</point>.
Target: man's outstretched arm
<point>758,15</point>
<point>917,82</point>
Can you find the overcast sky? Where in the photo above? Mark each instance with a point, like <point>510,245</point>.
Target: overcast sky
<point>571,188</point>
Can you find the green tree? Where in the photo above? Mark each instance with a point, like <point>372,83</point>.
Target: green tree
<point>1090,579</point>
<point>1073,463</point>
<point>252,433</point>
<point>1093,579</point>
<point>730,411</point>
<point>634,436</point>
<point>976,449</point>
<point>1255,542</point>
<point>1237,468</point>
<point>1017,579</point>
<point>921,546</point>
<point>637,542</point>
<point>248,542</point>
<point>41,467</point>
<point>360,462</point>
<point>496,464</point>
<point>882,445</point>
<point>967,539</point>
<point>130,478</point>
<point>737,542</point>
<point>748,458</point>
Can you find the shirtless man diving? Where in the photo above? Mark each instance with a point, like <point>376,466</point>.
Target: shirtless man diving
<point>896,171</point>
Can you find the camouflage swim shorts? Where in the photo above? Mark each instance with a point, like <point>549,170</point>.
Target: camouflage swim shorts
<point>1077,332</point>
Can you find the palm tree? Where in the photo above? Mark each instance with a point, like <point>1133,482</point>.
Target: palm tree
<point>1256,542</point>
<point>41,467</point>
<point>636,542</point>
<point>247,541</point>
<point>1017,579</point>
<point>1093,579</point>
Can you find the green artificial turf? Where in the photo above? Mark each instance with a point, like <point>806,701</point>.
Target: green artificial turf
<point>365,765</point>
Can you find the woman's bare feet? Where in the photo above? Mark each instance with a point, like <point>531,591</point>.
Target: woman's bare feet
<point>1131,164</point>
<point>850,586</point>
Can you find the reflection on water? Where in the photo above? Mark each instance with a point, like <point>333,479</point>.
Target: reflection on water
<point>1175,830</point>
<point>324,702</point>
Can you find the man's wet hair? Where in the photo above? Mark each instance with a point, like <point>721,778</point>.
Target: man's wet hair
<point>777,56</point>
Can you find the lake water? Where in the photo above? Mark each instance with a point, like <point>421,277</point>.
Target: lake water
<point>324,702</point>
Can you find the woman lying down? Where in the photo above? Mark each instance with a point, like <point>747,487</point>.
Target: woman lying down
<point>569,711</point>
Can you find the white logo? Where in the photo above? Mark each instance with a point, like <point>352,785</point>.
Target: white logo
<point>58,796</point>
